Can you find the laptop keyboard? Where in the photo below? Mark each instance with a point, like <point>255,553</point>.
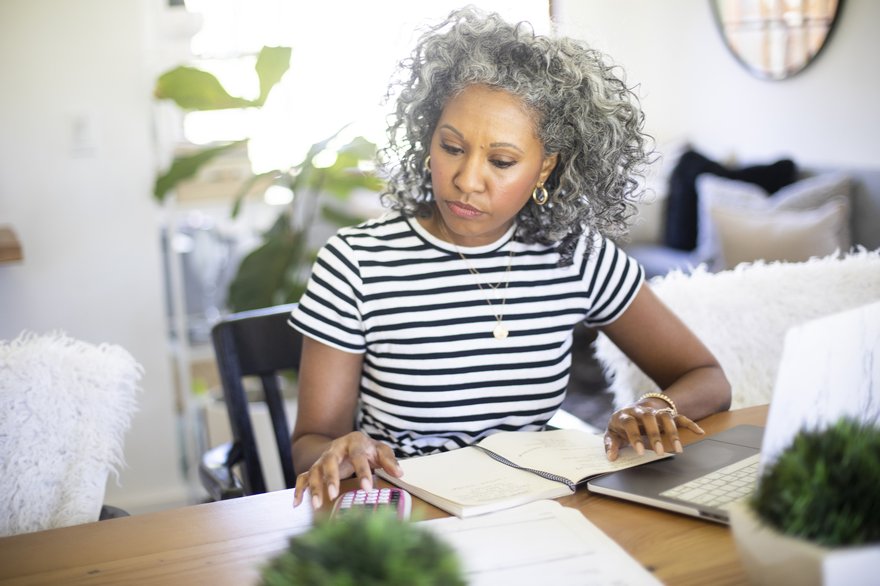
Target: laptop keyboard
<point>721,488</point>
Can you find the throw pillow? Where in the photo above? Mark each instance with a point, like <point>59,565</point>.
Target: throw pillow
<point>646,225</point>
<point>681,207</point>
<point>718,192</point>
<point>781,235</point>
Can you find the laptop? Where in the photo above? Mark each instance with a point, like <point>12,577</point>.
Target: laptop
<point>830,367</point>
<point>690,482</point>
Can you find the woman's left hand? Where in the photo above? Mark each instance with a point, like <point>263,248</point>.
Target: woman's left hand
<point>637,421</point>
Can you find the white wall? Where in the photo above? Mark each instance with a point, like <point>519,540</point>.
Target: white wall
<point>84,215</point>
<point>691,87</point>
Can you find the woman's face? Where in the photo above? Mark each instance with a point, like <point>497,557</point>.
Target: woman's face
<point>485,162</point>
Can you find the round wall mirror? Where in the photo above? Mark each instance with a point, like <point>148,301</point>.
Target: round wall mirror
<point>775,39</point>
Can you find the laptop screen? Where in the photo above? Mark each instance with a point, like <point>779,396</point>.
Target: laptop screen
<point>830,368</point>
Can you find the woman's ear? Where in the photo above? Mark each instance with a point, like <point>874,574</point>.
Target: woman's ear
<point>548,165</point>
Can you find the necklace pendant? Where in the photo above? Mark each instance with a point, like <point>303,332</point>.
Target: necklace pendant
<point>500,332</point>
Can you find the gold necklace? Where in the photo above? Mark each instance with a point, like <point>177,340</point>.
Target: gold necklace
<point>499,331</point>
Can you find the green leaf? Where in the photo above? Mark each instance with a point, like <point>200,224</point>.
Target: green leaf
<point>343,183</point>
<point>194,89</point>
<point>267,275</point>
<point>339,217</point>
<point>272,64</point>
<point>245,188</point>
<point>187,166</point>
<point>261,274</point>
<point>360,148</point>
<point>344,176</point>
<point>319,146</point>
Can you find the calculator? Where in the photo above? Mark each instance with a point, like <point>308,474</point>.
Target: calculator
<point>395,500</point>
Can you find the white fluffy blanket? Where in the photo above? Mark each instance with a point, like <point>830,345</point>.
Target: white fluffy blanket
<point>742,316</point>
<point>65,406</point>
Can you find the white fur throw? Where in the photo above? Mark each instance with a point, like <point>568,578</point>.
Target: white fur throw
<point>64,408</point>
<point>742,315</point>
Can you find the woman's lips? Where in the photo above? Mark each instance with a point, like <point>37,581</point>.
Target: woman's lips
<point>462,210</point>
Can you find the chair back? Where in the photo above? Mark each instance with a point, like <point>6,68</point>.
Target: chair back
<point>65,405</point>
<point>258,343</point>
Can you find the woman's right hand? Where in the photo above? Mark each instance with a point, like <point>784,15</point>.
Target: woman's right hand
<point>354,453</point>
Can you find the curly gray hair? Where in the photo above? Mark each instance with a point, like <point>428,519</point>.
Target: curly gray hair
<point>583,111</point>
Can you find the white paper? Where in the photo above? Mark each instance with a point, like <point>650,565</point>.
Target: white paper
<point>538,543</point>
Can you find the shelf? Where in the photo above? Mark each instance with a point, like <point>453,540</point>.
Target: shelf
<point>10,248</point>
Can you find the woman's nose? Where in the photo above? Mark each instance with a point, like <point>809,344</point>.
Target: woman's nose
<point>469,176</point>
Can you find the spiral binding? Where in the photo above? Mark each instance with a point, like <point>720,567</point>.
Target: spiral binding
<point>548,475</point>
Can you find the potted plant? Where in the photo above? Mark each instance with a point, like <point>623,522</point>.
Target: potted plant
<point>815,515</point>
<point>370,549</point>
<point>276,271</point>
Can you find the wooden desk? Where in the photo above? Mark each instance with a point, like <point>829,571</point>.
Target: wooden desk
<point>226,542</point>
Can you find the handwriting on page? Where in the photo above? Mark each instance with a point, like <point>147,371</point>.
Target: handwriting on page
<point>493,490</point>
<point>467,479</point>
<point>569,453</point>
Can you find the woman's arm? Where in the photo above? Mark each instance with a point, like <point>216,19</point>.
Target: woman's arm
<point>666,350</point>
<point>324,442</point>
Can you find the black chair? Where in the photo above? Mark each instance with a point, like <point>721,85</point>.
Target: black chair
<point>257,343</point>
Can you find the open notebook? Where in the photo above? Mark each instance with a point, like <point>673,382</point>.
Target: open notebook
<point>830,367</point>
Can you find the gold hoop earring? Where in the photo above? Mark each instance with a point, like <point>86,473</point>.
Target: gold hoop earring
<point>540,195</point>
<point>428,163</point>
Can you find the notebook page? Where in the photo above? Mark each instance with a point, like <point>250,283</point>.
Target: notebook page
<point>570,453</point>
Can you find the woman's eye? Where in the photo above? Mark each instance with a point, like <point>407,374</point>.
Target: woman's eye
<point>452,150</point>
<point>503,164</point>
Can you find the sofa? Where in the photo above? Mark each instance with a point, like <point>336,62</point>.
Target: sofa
<point>702,212</point>
<point>742,254</point>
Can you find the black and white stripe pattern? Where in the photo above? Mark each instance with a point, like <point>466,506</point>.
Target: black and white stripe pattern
<point>434,376</point>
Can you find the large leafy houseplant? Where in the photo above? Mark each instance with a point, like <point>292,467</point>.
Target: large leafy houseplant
<point>276,271</point>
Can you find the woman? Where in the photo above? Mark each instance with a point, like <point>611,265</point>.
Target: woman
<point>451,317</point>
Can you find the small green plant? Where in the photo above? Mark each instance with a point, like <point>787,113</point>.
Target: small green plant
<point>365,550</point>
<point>824,486</point>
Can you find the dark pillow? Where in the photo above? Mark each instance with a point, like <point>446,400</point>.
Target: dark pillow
<point>681,227</point>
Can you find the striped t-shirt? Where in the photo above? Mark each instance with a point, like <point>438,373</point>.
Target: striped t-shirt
<point>435,377</point>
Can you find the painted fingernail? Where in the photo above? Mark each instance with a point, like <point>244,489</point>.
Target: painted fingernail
<point>678,447</point>
<point>316,502</point>
<point>658,447</point>
<point>640,449</point>
<point>332,492</point>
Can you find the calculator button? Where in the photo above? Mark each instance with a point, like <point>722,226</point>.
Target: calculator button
<point>385,499</point>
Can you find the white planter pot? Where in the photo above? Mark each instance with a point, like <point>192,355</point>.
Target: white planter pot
<point>772,558</point>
